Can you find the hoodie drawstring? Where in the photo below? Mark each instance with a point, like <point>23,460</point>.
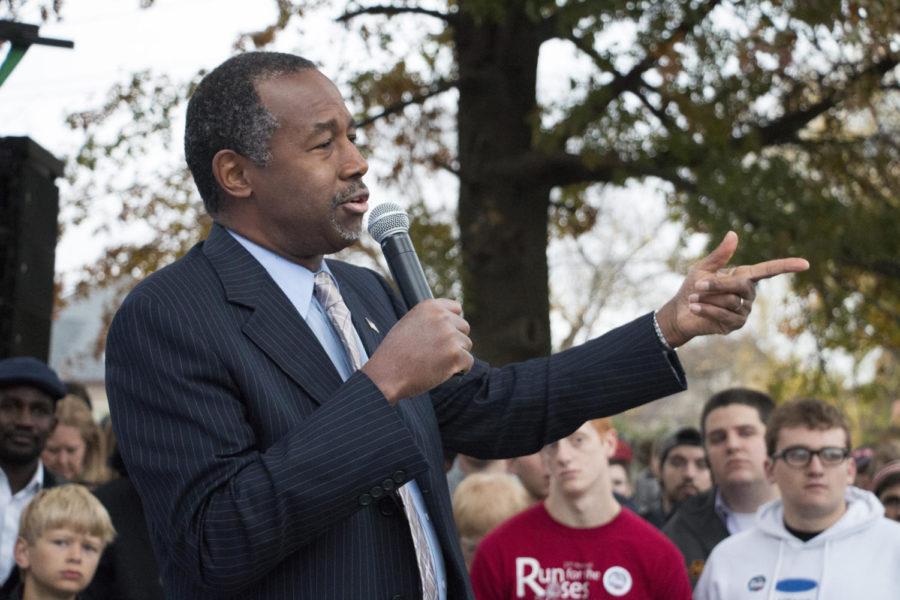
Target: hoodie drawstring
<point>824,568</point>
<point>775,572</point>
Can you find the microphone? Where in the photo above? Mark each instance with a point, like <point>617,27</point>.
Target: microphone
<point>389,226</point>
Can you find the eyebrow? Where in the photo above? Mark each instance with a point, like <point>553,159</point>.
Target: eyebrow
<point>331,125</point>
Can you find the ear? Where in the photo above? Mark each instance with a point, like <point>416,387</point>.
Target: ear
<point>229,168</point>
<point>611,441</point>
<point>21,554</point>
<point>769,468</point>
<point>851,471</point>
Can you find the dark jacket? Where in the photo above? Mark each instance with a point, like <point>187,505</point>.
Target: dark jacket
<point>12,582</point>
<point>127,569</point>
<point>696,528</point>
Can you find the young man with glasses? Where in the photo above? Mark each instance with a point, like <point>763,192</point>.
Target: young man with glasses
<point>823,539</point>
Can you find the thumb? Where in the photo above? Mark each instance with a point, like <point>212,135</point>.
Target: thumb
<point>719,257</point>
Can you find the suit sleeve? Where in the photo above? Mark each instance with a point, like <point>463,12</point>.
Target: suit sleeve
<point>219,507</point>
<point>518,409</point>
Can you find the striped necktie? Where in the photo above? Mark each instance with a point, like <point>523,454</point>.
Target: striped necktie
<point>332,302</point>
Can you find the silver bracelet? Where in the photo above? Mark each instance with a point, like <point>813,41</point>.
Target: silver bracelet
<point>659,334</point>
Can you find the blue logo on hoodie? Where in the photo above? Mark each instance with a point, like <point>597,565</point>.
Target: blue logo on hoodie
<point>796,585</point>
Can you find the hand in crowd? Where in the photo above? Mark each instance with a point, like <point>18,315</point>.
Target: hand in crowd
<point>425,348</point>
<point>717,299</point>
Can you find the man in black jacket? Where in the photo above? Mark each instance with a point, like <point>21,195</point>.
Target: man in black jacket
<point>733,424</point>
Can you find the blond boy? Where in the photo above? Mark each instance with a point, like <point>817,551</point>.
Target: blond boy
<point>62,535</point>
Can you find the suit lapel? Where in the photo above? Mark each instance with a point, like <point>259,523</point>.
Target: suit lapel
<point>274,325</point>
<point>367,304</point>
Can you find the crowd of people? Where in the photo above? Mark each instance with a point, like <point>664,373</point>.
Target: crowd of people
<point>755,498</point>
<point>71,524</point>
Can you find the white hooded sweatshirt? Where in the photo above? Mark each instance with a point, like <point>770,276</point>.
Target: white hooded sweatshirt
<point>857,558</point>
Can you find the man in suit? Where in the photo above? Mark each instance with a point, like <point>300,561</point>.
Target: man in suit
<point>283,416</point>
<point>29,390</point>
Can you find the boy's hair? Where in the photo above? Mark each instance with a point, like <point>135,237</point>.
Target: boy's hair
<point>601,425</point>
<point>761,402</point>
<point>484,500</point>
<point>810,413</point>
<point>69,506</point>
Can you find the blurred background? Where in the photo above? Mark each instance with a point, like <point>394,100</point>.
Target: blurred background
<point>564,162</point>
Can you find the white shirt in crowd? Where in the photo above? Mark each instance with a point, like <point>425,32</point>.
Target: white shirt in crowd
<point>11,507</point>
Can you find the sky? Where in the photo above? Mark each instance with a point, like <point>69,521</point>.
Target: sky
<point>114,38</point>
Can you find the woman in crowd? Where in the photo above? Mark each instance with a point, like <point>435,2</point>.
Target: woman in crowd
<point>76,450</point>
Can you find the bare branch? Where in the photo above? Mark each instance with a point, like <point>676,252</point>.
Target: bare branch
<point>563,168</point>
<point>786,128</point>
<point>439,88</point>
<point>588,48</point>
<point>390,11</point>
<point>598,101</point>
<point>659,113</point>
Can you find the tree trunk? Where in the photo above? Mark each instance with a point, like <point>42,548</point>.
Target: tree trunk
<point>503,222</point>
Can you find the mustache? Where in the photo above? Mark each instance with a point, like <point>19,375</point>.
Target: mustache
<point>348,194</point>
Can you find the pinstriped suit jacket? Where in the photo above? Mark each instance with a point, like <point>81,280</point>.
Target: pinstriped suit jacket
<point>265,476</point>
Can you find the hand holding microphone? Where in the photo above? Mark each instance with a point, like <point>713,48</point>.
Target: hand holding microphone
<point>431,342</point>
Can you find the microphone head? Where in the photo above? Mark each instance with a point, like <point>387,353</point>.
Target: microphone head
<point>387,219</point>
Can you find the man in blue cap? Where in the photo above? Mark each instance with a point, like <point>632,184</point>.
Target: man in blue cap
<point>29,390</point>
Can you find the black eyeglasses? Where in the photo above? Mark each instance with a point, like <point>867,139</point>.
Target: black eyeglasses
<point>801,456</point>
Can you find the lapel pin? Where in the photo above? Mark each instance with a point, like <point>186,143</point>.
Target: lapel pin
<point>372,325</point>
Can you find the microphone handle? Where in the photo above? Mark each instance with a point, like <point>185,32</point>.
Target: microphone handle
<point>406,268</point>
<point>407,271</point>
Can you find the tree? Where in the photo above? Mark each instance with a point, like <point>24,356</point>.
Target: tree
<point>776,118</point>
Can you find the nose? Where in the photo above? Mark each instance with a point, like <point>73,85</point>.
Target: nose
<point>815,464</point>
<point>690,471</point>
<point>732,440</point>
<point>75,554</point>
<point>563,453</point>
<point>24,417</point>
<point>355,165</point>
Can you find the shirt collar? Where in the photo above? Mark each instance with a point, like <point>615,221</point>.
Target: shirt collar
<point>37,482</point>
<point>296,281</point>
<point>33,486</point>
<point>722,509</point>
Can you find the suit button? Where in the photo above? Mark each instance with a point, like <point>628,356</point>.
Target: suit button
<point>365,499</point>
<point>388,485</point>
<point>399,476</point>
<point>397,597</point>
<point>387,507</point>
<point>376,492</point>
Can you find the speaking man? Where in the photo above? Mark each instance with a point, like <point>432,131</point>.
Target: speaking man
<point>283,416</point>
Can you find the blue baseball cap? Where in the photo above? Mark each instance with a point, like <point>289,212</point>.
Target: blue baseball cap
<point>31,371</point>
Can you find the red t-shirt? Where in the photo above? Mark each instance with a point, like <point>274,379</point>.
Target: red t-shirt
<point>533,556</point>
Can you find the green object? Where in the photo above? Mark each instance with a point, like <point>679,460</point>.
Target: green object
<point>12,59</point>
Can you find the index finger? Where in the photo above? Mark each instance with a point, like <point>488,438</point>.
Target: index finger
<point>771,268</point>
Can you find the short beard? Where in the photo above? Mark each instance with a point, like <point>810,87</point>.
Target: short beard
<point>16,459</point>
<point>348,235</point>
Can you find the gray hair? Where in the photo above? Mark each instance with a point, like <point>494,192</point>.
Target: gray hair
<point>225,113</point>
